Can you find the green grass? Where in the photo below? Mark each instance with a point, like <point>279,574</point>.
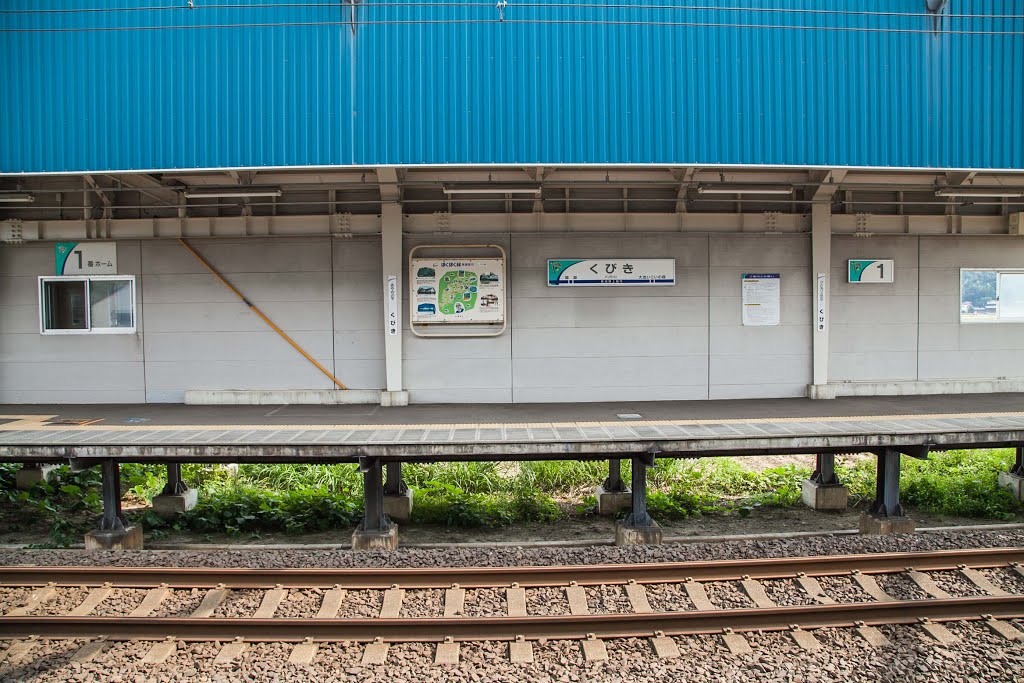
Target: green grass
<point>962,483</point>
<point>307,498</point>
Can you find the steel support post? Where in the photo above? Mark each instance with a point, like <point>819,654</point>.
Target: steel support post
<point>825,470</point>
<point>821,266</point>
<point>638,516</point>
<point>113,519</point>
<point>374,518</point>
<point>1018,464</point>
<point>394,486</point>
<point>613,483</point>
<point>175,485</point>
<point>887,485</point>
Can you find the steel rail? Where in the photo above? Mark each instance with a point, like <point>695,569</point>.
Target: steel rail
<point>527,576</point>
<point>508,628</point>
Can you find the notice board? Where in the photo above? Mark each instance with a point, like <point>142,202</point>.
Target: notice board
<point>762,294</point>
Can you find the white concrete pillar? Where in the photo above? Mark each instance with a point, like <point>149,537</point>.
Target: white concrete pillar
<point>393,267</point>
<point>821,265</point>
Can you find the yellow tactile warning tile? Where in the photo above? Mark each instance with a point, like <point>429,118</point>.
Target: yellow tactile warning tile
<point>40,423</point>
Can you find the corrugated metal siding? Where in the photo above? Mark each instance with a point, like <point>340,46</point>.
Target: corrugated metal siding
<point>447,83</point>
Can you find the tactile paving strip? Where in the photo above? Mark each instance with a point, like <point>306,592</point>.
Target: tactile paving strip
<point>40,430</point>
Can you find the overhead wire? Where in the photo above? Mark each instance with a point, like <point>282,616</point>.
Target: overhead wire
<point>458,5</point>
<point>580,22</point>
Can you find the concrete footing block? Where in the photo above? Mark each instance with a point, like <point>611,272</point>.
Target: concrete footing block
<point>394,399</point>
<point>129,538</point>
<point>822,497</point>
<point>375,540</point>
<point>612,502</point>
<point>169,507</point>
<point>1009,481</point>
<point>638,535</point>
<point>872,525</point>
<point>399,507</point>
<point>27,477</point>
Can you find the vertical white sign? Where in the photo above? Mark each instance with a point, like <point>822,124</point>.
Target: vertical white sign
<point>821,307</point>
<point>393,322</point>
<point>762,299</point>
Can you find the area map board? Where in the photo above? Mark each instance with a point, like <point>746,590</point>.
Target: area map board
<point>462,290</point>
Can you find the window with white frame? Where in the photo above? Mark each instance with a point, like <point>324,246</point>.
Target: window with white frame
<point>98,304</point>
<point>991,295</point>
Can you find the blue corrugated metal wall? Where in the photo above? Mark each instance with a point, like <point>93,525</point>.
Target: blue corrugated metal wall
<point>838,83</point>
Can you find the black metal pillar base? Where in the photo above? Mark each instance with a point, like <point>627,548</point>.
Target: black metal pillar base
<point>112,519</point>
<point>394,486</point>
<point>1018,464</point>
<point>175,486</point>
<point>887,485</point>
<point>638,516</point>
<point>825,470</point>
<point>613,484</point>
<point>374,519</point>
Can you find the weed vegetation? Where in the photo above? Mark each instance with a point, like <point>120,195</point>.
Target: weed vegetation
<point>256,499</point>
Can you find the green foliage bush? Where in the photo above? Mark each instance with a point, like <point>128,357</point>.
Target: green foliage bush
<point>68,503</point>
<point>241,509</point>
<point>961,483</point>
<point>441,503</point>
<point>309,498</point>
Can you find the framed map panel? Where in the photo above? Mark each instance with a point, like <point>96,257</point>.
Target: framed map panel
<point>457,290</point>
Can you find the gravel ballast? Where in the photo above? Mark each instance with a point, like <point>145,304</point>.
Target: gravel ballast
<point>980,655</point>
<point>456,556</point>
<point>912,656</point>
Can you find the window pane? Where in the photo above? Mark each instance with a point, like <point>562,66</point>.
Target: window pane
<point>978,295</point>
<point>1011,295</point>
<point>64,305</point>
<point>110,303</point>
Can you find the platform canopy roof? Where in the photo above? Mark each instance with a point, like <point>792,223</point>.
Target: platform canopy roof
<point>105,86</point>
<point>500,190</point>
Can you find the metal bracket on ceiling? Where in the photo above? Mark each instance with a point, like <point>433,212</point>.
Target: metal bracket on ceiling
<point>351,13</point>
<point>936,8</point>
<point>10,231</point>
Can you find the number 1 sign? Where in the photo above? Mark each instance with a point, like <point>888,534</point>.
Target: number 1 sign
<point>871,270</point>
<point>86,258</point>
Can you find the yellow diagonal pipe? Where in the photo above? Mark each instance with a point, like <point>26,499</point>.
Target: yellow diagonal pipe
<point>258,312</point>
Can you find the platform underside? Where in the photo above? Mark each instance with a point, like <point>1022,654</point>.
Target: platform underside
<point>513,432</point>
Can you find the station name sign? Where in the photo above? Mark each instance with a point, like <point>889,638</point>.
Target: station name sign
<point>611,272</point>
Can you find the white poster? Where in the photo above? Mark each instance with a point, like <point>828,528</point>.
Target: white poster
<point>457,290</point>
<point>761,298</point>
<point>393,323</point>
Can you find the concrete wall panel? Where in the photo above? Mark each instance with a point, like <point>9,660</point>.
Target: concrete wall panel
<point>874,327</point>
<point>37,368</point>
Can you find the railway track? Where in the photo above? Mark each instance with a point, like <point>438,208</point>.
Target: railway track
<point>655,601</point>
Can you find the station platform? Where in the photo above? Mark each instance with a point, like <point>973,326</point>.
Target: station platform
<point>168,433</point>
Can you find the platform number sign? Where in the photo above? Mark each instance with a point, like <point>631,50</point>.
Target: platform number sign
<point>86,258</point>
<point>871,270</point>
